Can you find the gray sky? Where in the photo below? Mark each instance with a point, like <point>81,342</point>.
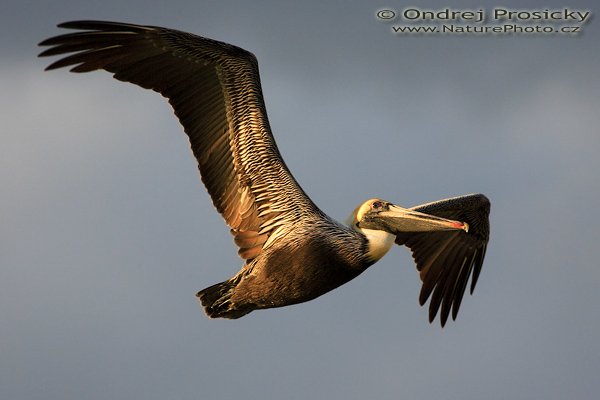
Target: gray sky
<point>106,233</point>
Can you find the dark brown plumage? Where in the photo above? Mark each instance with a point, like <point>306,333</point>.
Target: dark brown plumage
<point>466,250</point>
<point>292,251</point>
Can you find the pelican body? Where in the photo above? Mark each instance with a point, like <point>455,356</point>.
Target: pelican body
<point>292,251</point>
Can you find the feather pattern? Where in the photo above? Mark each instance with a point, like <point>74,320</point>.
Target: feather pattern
<point>214,89</point>
<point>446,260</point>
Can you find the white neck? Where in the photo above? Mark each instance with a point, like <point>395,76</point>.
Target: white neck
<point>380,242</point>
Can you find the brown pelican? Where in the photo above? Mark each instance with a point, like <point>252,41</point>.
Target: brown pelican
<point>292,251</point>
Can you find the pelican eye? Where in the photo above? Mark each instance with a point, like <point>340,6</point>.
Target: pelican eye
<point>376,205</point>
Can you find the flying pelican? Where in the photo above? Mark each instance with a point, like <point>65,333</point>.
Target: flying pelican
<point>292,251</point>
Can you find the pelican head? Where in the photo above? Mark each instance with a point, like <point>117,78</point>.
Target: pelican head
<point>381,222</point>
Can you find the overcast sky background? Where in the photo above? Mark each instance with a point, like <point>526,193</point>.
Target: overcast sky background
<point>106,233</point>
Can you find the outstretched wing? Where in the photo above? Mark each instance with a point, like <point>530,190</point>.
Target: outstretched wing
<point>214,89</point>
<point>445,260</point>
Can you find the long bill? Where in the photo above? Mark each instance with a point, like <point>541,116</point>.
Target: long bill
<point>398,219</point>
